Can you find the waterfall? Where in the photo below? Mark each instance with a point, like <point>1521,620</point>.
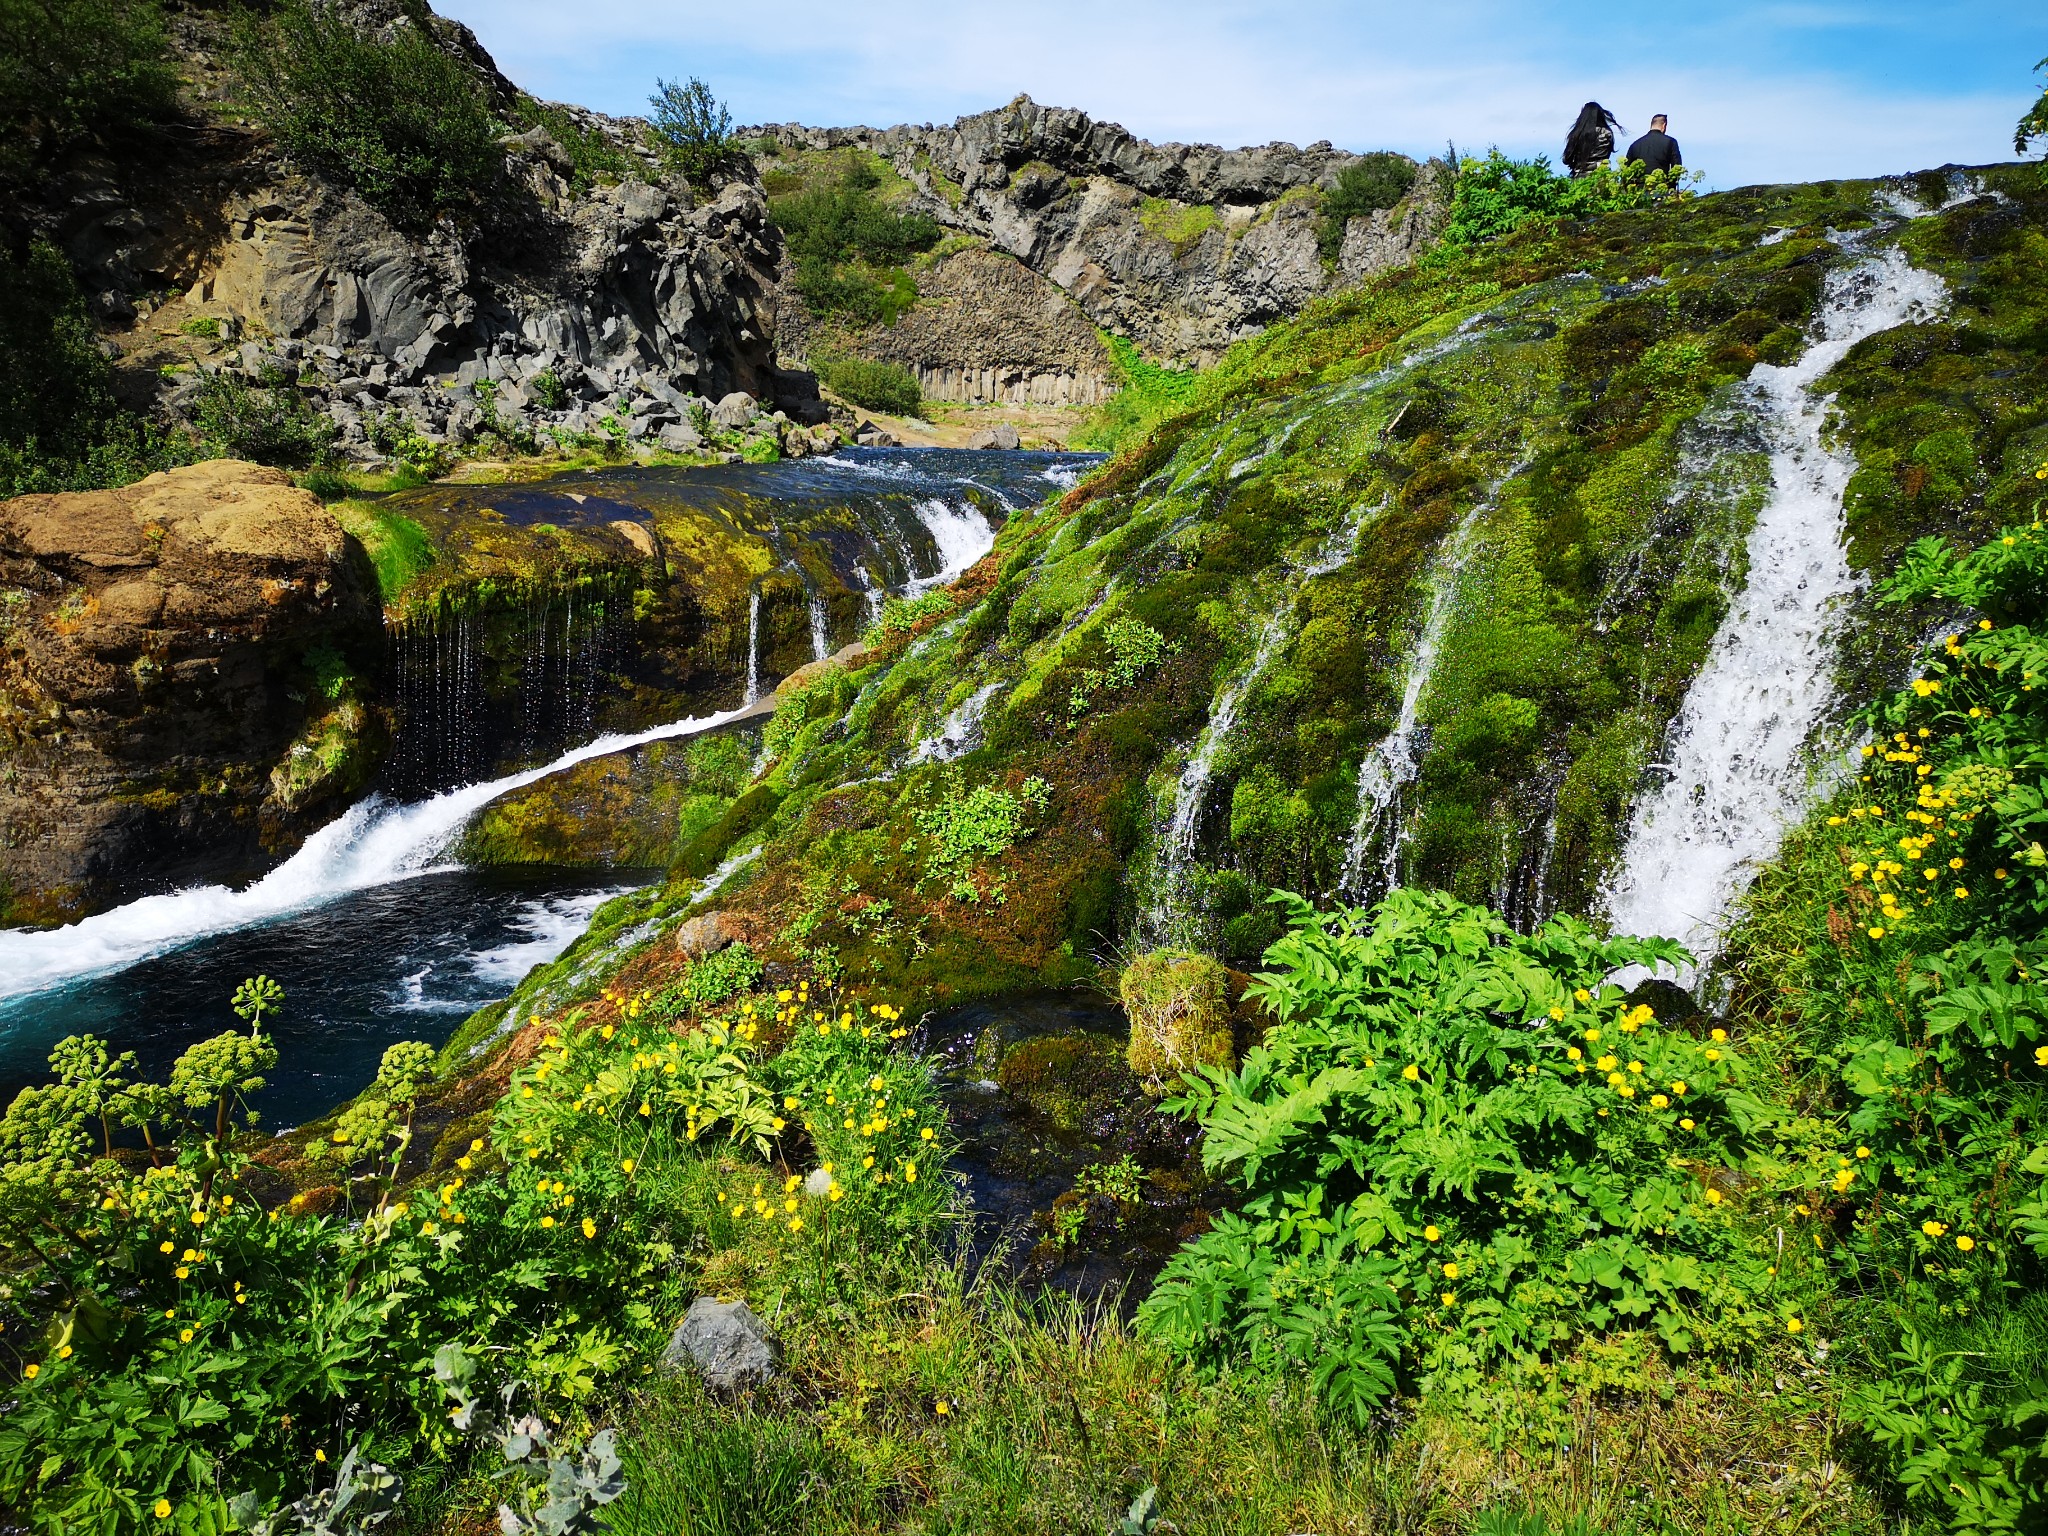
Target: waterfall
<point>1393,763</point>
<point>821,636</point>
<point>376,842</point>
<point>1739,755</point>
<point>962,535</point>
<point>959,732</point>
<point>1190,792</point>
<point>753,694</point>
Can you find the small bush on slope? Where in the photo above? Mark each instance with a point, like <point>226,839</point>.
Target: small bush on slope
<point>1461,1150</point>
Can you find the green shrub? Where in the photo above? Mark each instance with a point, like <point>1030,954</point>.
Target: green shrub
<point>963,829</point>
<point>1496,196</point>
<point>692,127</point>
<point>61,427</point>
<point>1378,180</point>
<point>1460,1149</point>
<point>73,66</point>
<point>1134,648</point>
<point>549,390</point>
<point>874,385</point>
<point>1149,393</point>
<point>2035,124</point>
<point>268,422</point>
<point>847,244</point>
<point>593,157</point>
<point>900,615</point>
<point>404,123</point>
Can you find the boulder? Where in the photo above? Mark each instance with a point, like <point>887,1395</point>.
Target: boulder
<point>706,934</point>
<point>1178,1003</point>
<point>164,725</point>
<point>680,437</point>
<point>725,1343</point>
<point>1001,435</point>
<point>735,411</point>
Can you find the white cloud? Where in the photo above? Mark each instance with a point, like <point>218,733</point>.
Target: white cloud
<point>1406,77</point>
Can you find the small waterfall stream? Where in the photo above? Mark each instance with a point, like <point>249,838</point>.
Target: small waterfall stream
<point>1176,842</point>
<point>1740,753</point>
<point>753,693</point>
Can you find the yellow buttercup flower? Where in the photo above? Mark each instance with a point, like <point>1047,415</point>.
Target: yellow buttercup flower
<point>1411,1072</point>
<point>1431,1232</point>
<point>1965,1242</point>
<point>1794,1325</point>
<point>161,1509</point>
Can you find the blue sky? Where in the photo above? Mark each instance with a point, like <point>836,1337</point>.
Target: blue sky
<point>1757,90</point>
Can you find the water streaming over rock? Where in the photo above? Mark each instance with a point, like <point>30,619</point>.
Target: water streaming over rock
<point>753,693</point>
<point>1392,764</point>
<point>375,842</point>
<point>1176,842</point>
<point>1741,756</point>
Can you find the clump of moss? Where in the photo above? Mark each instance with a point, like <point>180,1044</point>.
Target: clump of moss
<point>1179,1007</point>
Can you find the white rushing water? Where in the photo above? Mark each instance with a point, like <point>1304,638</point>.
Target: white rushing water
<point>753,690</point>
<point>1739,760</point>
<point>963,535</point>
<point>959,732</point>
<point>547,926</point>
<point>374,843</point>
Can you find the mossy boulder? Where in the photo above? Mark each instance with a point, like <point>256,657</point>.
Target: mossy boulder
<point>1179,1007</point>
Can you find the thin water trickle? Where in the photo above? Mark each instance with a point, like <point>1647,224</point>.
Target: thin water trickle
<point>1741,751</point>
<point>1176,843</point>
<point>753,693</point>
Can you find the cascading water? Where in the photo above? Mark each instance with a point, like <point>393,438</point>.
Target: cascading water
<point>959,731</point>
<point>1190,793</point>
<point>821,634</point>
<point>753,693</point>
<point>1740,755</point>
<point>1393,763</point>
<point>376,842</point>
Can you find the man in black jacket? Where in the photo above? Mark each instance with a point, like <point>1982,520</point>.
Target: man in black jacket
<point>1656,150</point>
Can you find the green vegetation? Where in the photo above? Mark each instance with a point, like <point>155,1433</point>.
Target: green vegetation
<point>2035,124</point>
<point>69,67</point>
<point>848,244</point>
<point>1367,185</point>
<point>962,829</point>
<point>594,159</point>
<point>900,615</point>
<point>1148,394</point>
<point>1179,1007</point>
<point>398,547</point>
<point>1496,196</point>
<point>692,127</point>
<point>1180,225</point>
<point>61,428</point>
<point>268,421</point>
<point>877,386</point>
<point>1132,649</point>
<point>403,122</point>
<point>183,1358</point>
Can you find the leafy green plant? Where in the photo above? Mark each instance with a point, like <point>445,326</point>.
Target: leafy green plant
<point>73,66</point>
<point>511,435</point>
<point>550,1491</point>
<point>874,385</point>
<point>593,158</point>
<point>394,433</point>
<point>549,390</point>
<point>1459,1147</point>
<point>2035,124</point>
<point>1134,648</point>
<point>1498,195</point>
<point>716,977</point>
<point>961,830</point>
<point>1367,185</point>
<point>268,421</point>
<point>692,127</point>
<point>900,615</point>
<point>1149,392</point>
<point>404,122</point>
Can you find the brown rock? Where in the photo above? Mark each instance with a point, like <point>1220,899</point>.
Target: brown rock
<point>153,674</point>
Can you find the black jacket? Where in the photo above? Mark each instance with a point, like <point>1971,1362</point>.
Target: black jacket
<point>1657,151</point>
<point>1583,151</point>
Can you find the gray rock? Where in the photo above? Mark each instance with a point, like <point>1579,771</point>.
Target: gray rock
<point>726,1344</point>
<point>735,411</point>
<point>680,437</point>
<point>1001,435</point>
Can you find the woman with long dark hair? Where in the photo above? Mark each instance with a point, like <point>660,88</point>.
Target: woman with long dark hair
<point>1591,140</point>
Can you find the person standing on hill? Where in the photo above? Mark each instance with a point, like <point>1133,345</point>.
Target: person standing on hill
<point>1591,140</point>
<point>1656,150</point>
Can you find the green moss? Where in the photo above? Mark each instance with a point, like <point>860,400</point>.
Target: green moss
<point>1179,1008</point>
<point>1180,225</point>
<point>398,547</point>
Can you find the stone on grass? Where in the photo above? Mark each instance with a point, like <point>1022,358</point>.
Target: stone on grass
<point>706,934</point>
<point>1178,1003</point>
<point>735,411</point>
<point>1001,435</point>
<point>726,1344</point>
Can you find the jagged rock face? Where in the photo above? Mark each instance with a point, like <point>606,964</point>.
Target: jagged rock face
<point>650,284</point>
<point>986,329</point>
<point>1183,248</point>
<point>176,682</point>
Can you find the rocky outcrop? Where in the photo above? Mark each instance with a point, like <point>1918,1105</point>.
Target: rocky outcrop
<point>986,330</point>
<point>1182,248</point>
<point>178,682</point>
<point>559,305</point>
